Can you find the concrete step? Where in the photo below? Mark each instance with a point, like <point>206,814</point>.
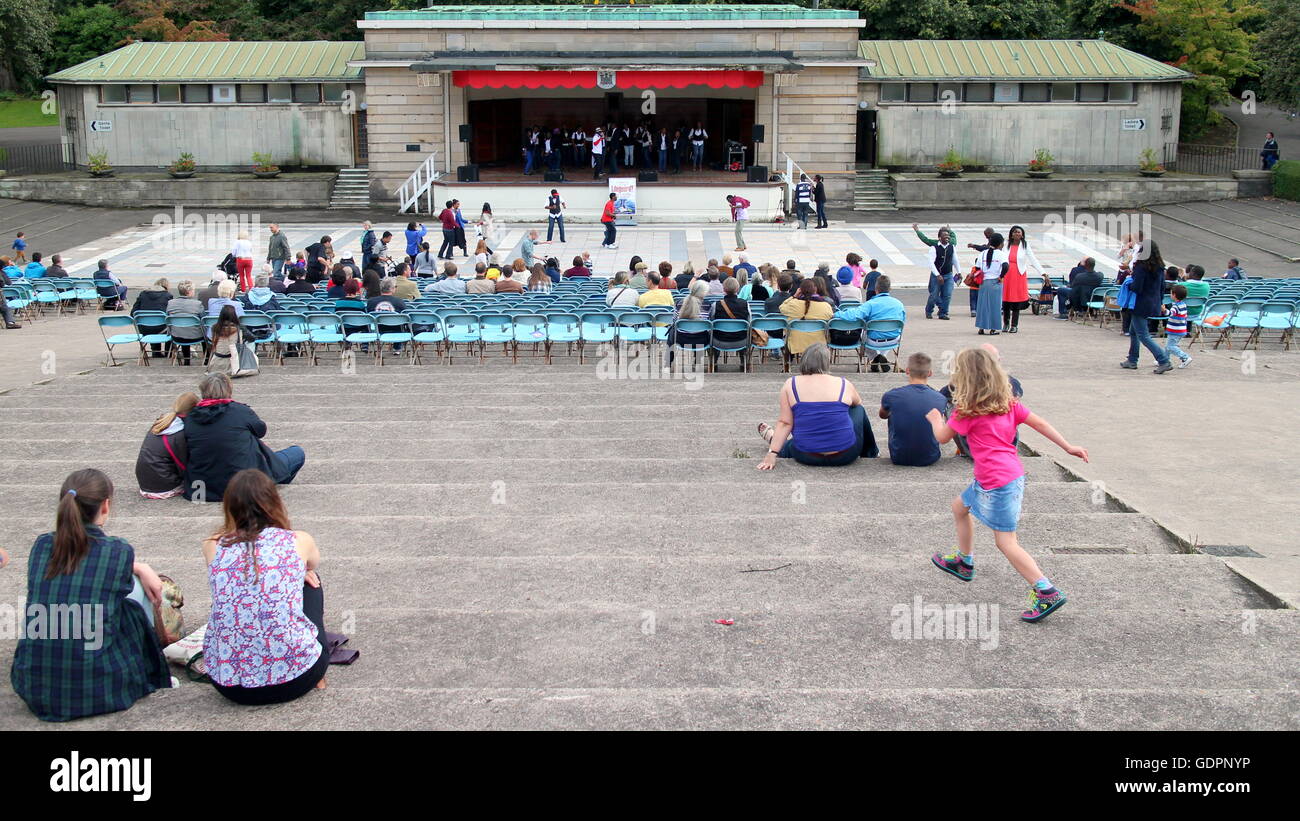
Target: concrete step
<point>350,703</point>
<point>891,493</point>
<point>474,526</point>
<point>726,470</point>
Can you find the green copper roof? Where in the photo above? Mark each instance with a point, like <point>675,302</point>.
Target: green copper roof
<point>602,12</point>
<point>1010,60</point>
<point>212,62</point>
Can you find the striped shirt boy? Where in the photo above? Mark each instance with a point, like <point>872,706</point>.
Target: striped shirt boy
<point>1176,319</point>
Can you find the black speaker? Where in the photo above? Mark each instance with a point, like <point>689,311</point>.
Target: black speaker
<point>467,173</point>
<point>554,176</point>
<point>758,133</point>
<point>648,176</point>
<point>614,102</point>
<point>757,173</point>
<point>467,132</point>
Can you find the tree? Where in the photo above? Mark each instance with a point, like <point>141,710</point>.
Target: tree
<point>84,32</point>
<point>25,27</point>
<point>1211,40</point>
<point>1279,53</point>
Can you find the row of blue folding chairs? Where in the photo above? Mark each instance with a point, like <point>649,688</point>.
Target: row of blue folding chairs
<point>1223,318</point>
<point>32,297</point>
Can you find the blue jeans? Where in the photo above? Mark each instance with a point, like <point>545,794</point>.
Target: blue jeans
<point>821,214</point>
<point>663,160</point>
<point>802,210</point>
<point>286,463</point>
<point>1063,300</point>
<point>277,268</point>
<point>552,221</point>
<point>1139,330</point>
<point>1172,343</point>
<point>864,446</point>
<point>138,596</point>
<point>940,295</point>
<point>697,155</point>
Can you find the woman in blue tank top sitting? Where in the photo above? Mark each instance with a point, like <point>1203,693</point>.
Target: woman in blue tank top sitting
<point>822,419</point>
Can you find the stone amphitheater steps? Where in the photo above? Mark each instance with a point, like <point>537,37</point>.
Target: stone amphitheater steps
<point>633,500</point>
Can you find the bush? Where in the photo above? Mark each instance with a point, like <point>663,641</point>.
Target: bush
<point>1286,180</point>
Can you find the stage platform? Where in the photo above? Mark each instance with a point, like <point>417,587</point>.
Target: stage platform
<point>686,197</point>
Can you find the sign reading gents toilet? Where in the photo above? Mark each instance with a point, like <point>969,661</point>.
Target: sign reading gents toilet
<point>106,775</point>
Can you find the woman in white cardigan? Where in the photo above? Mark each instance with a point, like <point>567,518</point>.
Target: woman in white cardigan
<point>1015,285</point>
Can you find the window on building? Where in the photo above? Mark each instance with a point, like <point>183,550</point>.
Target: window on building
<point>279,93</point>
<point>893,92</point>
<point>1006,92</point>
<point>1063,92</point>
<point>252,93</point>
<point>306,93</point>
<point>223,94</point>
<point>112,94</point>
<point>1034,92</point>
<point>1092,92</point>
<point>333,92</point>
<point>950,92</point>
<point>169,93</point>
<point>139,94</point>
<point>1121,92</point>
<point>979,92</point>
<point>920,92</point>
<point>196,93</point>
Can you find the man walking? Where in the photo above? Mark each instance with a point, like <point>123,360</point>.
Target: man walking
<point>597,153</point>
<point>448,219</point>
<point>607,219</point>
<point>943,268</point>
<point>555,214</point>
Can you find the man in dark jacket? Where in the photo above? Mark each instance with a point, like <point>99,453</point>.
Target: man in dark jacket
<point>154,298</point>
<point>1075,296</point>
<point>225,437</point>
<point>1147,284</point>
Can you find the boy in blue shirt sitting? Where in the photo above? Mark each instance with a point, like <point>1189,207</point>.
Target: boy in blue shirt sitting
<point>911,436</point>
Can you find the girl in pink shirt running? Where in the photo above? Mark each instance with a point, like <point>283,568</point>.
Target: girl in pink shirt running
<point>985,412</point>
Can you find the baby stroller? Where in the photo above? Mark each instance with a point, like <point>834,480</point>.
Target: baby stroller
<point>228,265</point>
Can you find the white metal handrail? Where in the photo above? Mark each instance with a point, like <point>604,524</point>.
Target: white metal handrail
<point>788,180</point>
<point>419,184</point>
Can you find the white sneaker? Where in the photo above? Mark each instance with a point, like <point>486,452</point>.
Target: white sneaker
<point>1184,363</point>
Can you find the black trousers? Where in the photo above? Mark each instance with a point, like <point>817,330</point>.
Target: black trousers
<point>313,607</point>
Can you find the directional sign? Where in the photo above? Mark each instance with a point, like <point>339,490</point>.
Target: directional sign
<point>101,125</point>
<point>1134,125</point>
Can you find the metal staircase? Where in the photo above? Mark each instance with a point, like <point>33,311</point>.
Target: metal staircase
<point>351,189</point>
<point>872,190</point>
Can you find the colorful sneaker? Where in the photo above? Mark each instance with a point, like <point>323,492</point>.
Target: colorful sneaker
<point>953,564</point>
<point>1041,605</point>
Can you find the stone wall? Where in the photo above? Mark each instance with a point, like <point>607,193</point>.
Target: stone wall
<point>305,190</point>
<point>1091,192</point>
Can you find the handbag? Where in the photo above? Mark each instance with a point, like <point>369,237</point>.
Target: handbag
<point>974,279</point>
<point>245,361</point>
<point>756,337</point>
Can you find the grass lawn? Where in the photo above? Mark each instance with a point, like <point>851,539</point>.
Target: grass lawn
<point>24,113</point>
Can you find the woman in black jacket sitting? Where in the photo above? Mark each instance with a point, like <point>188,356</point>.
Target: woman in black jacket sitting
<point>154,298</point>
<point>225,437</point>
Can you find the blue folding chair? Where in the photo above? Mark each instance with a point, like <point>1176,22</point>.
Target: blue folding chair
<point>727,336</point>
<point>111,328</point>
<point>183,329</point>
<point>462,329</point>
<point>152,326</point>
<point>1246,318</point>
<point>426,327</point>
<point>849,329</point>
<point>323,329</point>
<point>775,344</point>
<point>563,327</point>
<point>394,329</point>
<point>290,329</point>
<point>598,327</point>
<point>359,329</point>
<point>530,329</point>
<point>693,327</point>
<point>883,336</point>
<point>497,328</point>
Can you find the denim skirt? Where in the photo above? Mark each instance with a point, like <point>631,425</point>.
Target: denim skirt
<point>997,509</point>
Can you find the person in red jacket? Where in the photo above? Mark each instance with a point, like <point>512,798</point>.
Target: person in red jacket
<point>739,213</point>
<point>449,223</point>
<point>607,217</point>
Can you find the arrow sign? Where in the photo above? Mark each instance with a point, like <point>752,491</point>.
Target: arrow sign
<point>101,125</point>
<point>1134,125</point>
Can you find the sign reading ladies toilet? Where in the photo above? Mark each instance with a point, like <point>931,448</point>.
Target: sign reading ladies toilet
<point>625,201</point>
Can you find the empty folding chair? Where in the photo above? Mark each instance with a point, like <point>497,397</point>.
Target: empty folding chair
<point>426,329</point>
<point>359,329</point>
<point>883,336</point>
<point>562,327</point>
<point>497,328</point>
<point>530,329</point>
<point>462,329</point>
<point>292,334</point>
<point>394,330</point>
<point>598,327</point>
<point>117,330</point>
<point>323,330</point>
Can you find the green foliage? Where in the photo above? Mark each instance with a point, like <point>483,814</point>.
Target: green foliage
<point>1042,160</point>
<point>184,163</point>
<point>1286,180</point>
<point>1279,54</point>
<point>262,162</point>
<point>960,19</point>
<point>1147,160</point>
<point>951,161</point>
<point>84,32</point>
<point>25,29</point>
<point>98,162</point>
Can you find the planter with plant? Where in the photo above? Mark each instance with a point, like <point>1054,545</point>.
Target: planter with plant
<point>98,165</point>
<point>951,165</point>
<point>1148,166</point>
<point>1040,167</point>
<point>263,167</point>
<point>182,167</point>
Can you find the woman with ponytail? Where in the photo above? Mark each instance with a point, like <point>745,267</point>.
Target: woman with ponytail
<point>993,266</point>
<point>160,465</point>
<point>265,642</point>
<point>89,584</point>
